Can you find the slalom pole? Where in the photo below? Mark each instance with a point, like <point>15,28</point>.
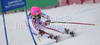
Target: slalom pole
<point>30,27</point>
<point>76,23</point>
<point>5,28</point>
<point>4,22</point>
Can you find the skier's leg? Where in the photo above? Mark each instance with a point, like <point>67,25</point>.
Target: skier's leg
<point>43,34</point>
<point>60,29</point>
<point>55,28</point>
<point>48,35</point>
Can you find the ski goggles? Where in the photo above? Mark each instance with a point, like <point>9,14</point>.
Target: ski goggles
<point>36,16</point>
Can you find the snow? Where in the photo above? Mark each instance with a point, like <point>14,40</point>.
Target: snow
<point>86,34</point>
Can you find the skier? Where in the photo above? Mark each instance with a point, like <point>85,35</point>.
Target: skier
<point>38,26</point>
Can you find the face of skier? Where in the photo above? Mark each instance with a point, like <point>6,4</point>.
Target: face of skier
<point>36,16</point>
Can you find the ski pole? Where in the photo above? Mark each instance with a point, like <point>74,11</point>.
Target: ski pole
<point>39,39</point>
<point>76,23</point>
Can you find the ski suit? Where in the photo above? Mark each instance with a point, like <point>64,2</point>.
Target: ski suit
<point>39,24</point>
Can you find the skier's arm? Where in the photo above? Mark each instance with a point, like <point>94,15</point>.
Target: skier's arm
<point>46,16</point>
<point>34,29</point>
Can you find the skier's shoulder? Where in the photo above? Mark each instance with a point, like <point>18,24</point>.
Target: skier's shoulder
<point>43,13</point>
<point>29,16</point>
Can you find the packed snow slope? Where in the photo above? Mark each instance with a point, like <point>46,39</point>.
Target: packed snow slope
<point>85,34</point>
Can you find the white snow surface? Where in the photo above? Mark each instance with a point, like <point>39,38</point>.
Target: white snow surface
<point>86,34</point>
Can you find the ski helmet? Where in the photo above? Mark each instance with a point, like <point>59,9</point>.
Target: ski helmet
<point>35,10</point>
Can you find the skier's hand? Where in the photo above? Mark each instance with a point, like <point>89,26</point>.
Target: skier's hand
<point>48,22</point>
<point>41,32</point>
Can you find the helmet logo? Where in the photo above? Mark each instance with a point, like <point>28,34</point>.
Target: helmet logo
<point>36,11</point>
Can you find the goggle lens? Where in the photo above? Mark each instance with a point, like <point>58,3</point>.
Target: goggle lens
<point>36,16</point>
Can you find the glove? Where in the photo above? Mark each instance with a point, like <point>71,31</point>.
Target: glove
<point>41,32</point>
<point>48,22</point>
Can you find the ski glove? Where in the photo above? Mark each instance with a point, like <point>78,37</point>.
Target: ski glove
<point>48,22</point>
<point>41,32</point>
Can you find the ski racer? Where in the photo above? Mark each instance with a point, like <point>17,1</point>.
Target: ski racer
<point>38,26</point>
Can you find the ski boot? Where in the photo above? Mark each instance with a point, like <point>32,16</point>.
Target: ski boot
<point>67,31</point>
<point>51,36</point>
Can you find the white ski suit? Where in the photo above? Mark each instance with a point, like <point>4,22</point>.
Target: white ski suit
<point>37,25</point>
